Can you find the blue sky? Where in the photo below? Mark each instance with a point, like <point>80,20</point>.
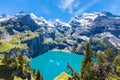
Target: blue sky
<point>61,9</point>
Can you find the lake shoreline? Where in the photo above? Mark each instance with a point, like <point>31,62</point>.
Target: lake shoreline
<point>63,50</point>
<point>55,61</point>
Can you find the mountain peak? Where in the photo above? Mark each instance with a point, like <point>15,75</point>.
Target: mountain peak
<point>33,16</point>
<point>80,28</point>
<point>86,19</point>
<point>94,15</point>
<point>20,14</point>
<point>5,15</point>
<point>108,14</point>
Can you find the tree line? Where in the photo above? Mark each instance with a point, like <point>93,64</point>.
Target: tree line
<point>19,65</point>
<point>104,66</point>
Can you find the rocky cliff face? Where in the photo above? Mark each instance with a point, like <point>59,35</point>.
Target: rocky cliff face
<point>40,35</point>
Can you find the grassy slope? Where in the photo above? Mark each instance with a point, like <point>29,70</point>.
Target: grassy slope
<point>1,57</point>
<point>5,46</point>
<point>17,78</point>
<point>6,72</point>
<point>62,76</point>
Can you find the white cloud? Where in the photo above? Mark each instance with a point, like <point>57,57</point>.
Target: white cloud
<point>73,5</point>
<point>69,5</point>
<point>82,9</point>
<point>65,4</point>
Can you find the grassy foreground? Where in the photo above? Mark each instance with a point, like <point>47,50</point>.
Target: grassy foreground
<point>62,76</point>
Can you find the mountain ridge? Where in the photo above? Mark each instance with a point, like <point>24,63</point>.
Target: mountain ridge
<point>47,35</point>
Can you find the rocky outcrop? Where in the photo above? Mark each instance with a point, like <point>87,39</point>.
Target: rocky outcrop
<point>92,27</point>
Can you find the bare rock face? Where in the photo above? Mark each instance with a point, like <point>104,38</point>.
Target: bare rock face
<point>97,27</point>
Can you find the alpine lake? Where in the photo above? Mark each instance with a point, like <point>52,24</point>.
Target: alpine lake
<point>52,63</point>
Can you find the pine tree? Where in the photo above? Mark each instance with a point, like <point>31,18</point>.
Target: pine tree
<point>6,59</point>
<point>100,57</point>
<point>75,75</point>
<point>38,76</point>
<point>109,55</point>
<point>34,72</point>
<point>21,59</point>
<point>14,63</point>
<point>87,64</point>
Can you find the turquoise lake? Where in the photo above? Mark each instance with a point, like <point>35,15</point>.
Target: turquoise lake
<point>52,63</point>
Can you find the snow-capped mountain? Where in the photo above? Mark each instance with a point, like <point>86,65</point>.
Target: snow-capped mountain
<point>98,25</point>
<point>57,34</point>
<point>4,17</point>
